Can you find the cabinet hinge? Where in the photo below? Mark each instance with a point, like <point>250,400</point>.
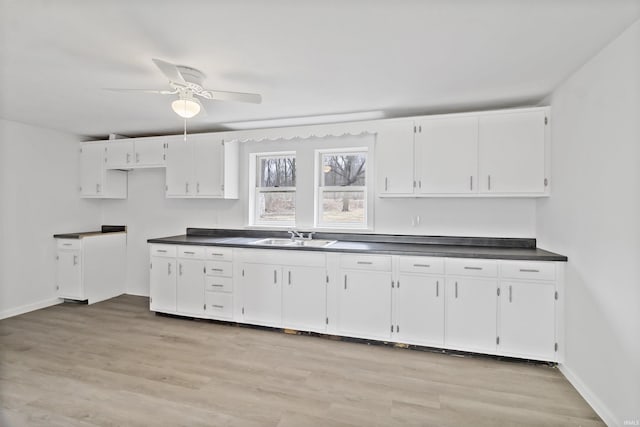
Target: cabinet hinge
<point>57,257</point>
<point>555,295</point>
<point>57,288</point>
<point>497,340</point>
<point>392,284</point>
<point>164,157</point>
<point>242,310</point>
<point>555,347</point>
<point>546,182</point>
<point>415,129</point>
<point>420,129</point>
<point>150,266</point>
<point>150,299</point>
<point>398,284</point>
<point>391,328</point>
<point>243,276</point>
<point>498,291</point>
<point>204,270</point>
<point>326,320</point>
<point>546,120</point>
<point>204,307</point>
<point>327,279</point>
<point>166,188</point>
<point>397,328</point>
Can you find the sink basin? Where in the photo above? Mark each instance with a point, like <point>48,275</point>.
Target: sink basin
<point>317,243</point>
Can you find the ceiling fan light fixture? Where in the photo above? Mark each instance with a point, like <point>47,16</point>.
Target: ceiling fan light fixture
<point>186,107</point>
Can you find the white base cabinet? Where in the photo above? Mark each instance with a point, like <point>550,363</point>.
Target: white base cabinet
<point>91,268</point>
<point>501,307</point>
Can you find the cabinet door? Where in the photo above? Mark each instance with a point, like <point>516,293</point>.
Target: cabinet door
<point>511,152</point>
<point>91,169</point>
<point>471,314</point>
<point>394,154</point>
<point>69,275</point>
<point>179,168</point>
<point>262,294</point>
<point>208,167</point>
<point>190,286</point>
<point>364,304</point>
<point>149,152</point>
<point>420,310</point>
<point>119,154</point>
<point>447,156</point>
<point>163,284</point>
<point>527,320</point>
<point>304,298</point>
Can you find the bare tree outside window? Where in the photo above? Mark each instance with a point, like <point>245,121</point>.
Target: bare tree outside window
<point>276,189</point>
<point>343,188</point>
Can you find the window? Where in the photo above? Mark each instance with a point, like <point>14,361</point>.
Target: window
<point>342,189</point>
<point>275,189</point>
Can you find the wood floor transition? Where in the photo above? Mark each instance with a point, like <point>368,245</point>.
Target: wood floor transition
<point>117,364</point>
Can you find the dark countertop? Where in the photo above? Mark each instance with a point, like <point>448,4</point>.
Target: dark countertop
<point>105,229</point>
<point>440,246</point>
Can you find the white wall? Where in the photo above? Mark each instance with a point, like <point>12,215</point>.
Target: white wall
<point>147,213</point>
<point>594,218</point>
<point>38,198</point>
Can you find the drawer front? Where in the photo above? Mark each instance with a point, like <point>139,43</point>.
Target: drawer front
<point>366,262</point>
<point>218,305</point>
<point>428,265</point>
<point>219,268</point>
<point>528,270</point>
<point>218,253</point>
<point>218,284</point>
<point>164,250</point>
<point>471,267</point>
<point>69,243</point>
<point>191,252</point>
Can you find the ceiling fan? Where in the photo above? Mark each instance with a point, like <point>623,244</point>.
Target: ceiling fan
<point>186,82</point>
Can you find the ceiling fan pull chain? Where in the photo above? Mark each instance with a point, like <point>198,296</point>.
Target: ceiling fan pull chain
<point>185,130</point>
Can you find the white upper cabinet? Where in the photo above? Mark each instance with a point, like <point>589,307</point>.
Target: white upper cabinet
<point>394,151</point>
<point>447,155</point>
<point>512,152</point>
<point>135,153</point>
<point>202,166</point>
<point>95,180</point>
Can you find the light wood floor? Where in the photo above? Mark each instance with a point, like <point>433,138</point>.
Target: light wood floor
<point>116,364</point>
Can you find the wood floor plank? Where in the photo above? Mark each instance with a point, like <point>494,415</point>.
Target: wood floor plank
<point>115,363</point>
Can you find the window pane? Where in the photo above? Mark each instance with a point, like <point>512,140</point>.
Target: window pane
<point>276,206</point>
<point>344,169</point>
<point>277,172</point>
<point>343,207</point>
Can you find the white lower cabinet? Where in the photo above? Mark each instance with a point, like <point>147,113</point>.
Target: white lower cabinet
<point>471,307</point>
<point>364,296</point>
<point>190,287</point>
<point>419,308</point>
<point>163,284</point>
<point>262,294</point>
<point>69,274</point>
<point>304,298</point>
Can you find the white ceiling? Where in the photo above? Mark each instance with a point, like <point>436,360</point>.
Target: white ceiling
<point>306,58</point>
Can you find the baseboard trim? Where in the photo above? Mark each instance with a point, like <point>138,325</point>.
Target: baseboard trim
<point>592,399</point>
<point>136,294</point>
<point>29,307</point>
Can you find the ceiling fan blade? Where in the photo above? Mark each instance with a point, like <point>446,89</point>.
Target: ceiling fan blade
<point>161,92</point>
<point>169,70</point>
<point>221,95</point>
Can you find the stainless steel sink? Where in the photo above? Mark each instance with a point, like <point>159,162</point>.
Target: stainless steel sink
<point>315,243</point>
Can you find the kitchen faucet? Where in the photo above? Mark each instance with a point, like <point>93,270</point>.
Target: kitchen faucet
<point>297,235</point>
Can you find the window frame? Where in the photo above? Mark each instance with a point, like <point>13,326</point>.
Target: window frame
<point>320,189</point>
<point>255,190</point>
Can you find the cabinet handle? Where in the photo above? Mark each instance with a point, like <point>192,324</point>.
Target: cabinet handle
<point>128,157</point>
<point>422,265</point>
<point>289,276</point>
<point>169,269</point>
<point>180,269</point>
<point>365,262</point>
<point>66,244</point>
<point>75,260</point>
<point>189,252</point>
<point>473,268</point>
<point>137,157</point>
<point>386,183</point>
<point>212,254</point>
<point>197,187</point>
<point>456,289</point>
<point>471,182</point>
<point>217,269</point>
<point>510,294</point>
<point>275,276</point>
<point>345,281</point>
<point>489,181</point>
<point>217,306</point>
<point>161,250</point>
<point>215,285</point>
<point>437,288</point>
<point>529,270</point>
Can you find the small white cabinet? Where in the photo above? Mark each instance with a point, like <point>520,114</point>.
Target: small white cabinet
<point>202,167</point>
<point>262,294</point>
<point>69,270</point>
<point>95,180</point>
<point>190,286</point>
<point>304,298</point>
<point>163,278</point>
<point>135,153</point>
<point>394,154</point>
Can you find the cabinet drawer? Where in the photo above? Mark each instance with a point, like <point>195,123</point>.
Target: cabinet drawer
<point>190,251</point>
<point>164,250</point>
<point>422,265</point>
<point>218,253</point>
<point>218,305</point>
<point>366,262</point>
<point>69,243</point>
<point>471,267</point>
<point>218,284</point>
<point>219,268</point>
<point>528,270</point>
